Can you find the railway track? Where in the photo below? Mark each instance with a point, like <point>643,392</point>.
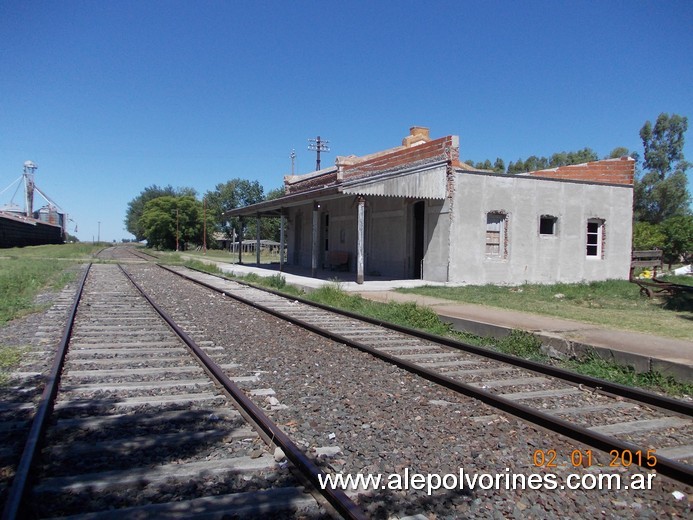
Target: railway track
<point>95,411</point>
<point>633,427</point>
<point>139,427</point>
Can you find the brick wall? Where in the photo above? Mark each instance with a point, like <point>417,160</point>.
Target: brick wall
<point>438,149</point>
<point>314,182</point>
<point>608,171</point>
<point>442,149</point>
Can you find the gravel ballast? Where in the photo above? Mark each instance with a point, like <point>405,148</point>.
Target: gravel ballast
<point>356,414</point>
<point>381,420</point>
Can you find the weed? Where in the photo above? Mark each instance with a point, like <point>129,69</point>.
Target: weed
<point>520,343</point>
<point>252,278</point>
<point>276,281</point>
<point>406,314</point>
<point>594,366</point>
<point>202,266</point>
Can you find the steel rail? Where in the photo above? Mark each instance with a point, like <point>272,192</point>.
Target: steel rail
<point>336,497</point>
<point>603,386</point>
<point>670,468</point>
<point>38,426</point>
<point>143,254</point>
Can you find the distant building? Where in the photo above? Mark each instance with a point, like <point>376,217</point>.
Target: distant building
<point>416,211</point>
<point>21,227</point>
<point>17,230</point>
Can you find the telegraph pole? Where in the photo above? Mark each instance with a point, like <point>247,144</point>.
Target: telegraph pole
<point>318,145</point>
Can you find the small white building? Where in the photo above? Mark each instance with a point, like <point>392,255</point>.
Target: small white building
<point>416,211</point>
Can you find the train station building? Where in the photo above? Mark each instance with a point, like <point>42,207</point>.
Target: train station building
<point>417,212</point>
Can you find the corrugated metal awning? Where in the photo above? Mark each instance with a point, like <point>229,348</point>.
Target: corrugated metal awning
<point>430,183</point>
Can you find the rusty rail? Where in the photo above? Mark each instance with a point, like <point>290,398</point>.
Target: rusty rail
<point>22,476</point>
<point>336,497</point>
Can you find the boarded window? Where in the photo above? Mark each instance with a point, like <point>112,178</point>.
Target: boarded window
<point>495,235</point>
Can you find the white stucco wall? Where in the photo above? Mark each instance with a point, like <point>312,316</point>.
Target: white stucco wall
<point>530,257</point>
<point>437,229</point>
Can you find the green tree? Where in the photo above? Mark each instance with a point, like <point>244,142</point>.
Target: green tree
<point>618,152</point>
<point>135,209</point>
<point>535,163</point>
<point>483,165</point>
<point>270,227</point>
<point>661,191</point>
<point>169,221</point>
<point>568,158</point>
<point>647,236</point>
<point>516,167</point>
<point>678,232</point>
<point>229,195</point>
<point>499,165</point>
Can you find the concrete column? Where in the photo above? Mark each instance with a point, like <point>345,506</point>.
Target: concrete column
<point>257,239</point>
<point>359,239</point>
<point>240,240</point>
<point>314,244</point>
<point>281,241</point>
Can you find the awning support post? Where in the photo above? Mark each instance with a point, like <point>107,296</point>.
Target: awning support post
<point>281,242</point>
<point>359,240</point>
<point>240,240</point>
<point>314,244</point>
<point>257,239</point>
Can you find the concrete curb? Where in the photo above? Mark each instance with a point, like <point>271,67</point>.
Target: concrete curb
<point>558,346</point>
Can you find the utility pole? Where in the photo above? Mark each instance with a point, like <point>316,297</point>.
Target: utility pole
<point>318,145</point>
<point>293,160</point>
<point>177,229</point>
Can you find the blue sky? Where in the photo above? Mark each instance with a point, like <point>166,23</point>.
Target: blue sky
<point>111,97</point>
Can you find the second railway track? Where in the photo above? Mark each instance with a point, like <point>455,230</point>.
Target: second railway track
<point>650,430</point>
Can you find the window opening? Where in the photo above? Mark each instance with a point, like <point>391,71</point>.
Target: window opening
<point>595,229</point>
<point>547,225</point>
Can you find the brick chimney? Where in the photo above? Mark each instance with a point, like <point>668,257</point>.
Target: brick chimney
<point>417,135</point>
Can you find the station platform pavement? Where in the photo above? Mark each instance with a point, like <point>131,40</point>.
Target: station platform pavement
<point>561,337</point>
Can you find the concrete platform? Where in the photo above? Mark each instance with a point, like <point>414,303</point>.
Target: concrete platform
<point>560,337</point>
<point>301,277</point>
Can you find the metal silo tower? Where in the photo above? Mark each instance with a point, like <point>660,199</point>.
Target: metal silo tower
<point>29,170</point>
